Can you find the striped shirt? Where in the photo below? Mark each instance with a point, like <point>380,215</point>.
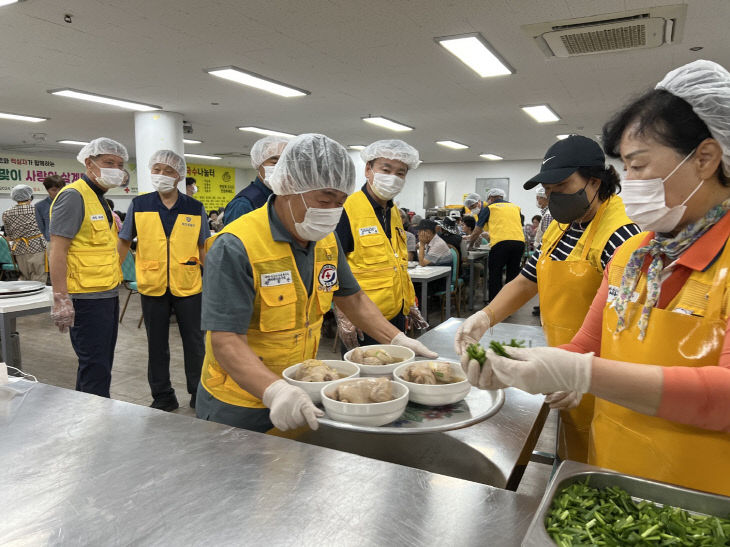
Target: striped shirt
<point>570,238</point>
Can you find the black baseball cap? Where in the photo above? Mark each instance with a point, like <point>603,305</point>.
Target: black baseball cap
<point>565,157</point>
<point>426,224</point>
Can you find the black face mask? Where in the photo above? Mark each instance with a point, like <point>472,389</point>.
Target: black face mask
<point>566,208</point>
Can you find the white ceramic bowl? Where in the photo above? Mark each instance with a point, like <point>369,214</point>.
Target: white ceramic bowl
<point>435,394</point>
<point>383,370</point>
<point>367,414</point>
<point>314,389</point>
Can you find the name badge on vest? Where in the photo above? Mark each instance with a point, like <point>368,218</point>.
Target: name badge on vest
<point>276,278</point>
<point>368,230</point>
<point>327,277</point>
<point>97,217</point>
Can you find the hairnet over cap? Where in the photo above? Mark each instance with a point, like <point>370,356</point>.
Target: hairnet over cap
<point>21,192</point>
<point>168,157</point>
<point>706,87</point>
<point>102,145</point>
<point>471,199</point>
<point>496,193</point>
<point>313,162</point>
<point>392,149</point>
<point>265,148</point>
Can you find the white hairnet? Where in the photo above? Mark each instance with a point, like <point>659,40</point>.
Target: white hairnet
<point>706,87</point>
<point>21,192</point>
<point>102,145</point>
<point>265,148</point>
<point>471,199</point>
<point>168,157</point>
<point>496,193</point>
<point>541,192</point>
<point>392,149</point>
<point>313,162</point>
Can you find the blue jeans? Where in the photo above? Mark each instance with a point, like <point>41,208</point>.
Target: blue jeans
<point>94,337</point>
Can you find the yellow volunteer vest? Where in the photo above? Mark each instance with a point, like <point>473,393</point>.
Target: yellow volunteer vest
<point>161,262</point>
<point>648,446</point>
<point>504,223</point>
<point>567,288</point>
<point>286,323</point>
<point>380,265</point>
<point>92,263</point>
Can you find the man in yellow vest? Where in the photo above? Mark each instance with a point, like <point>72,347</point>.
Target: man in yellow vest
<point>171,229</point>
<point>270,276</point>
<point>84,264</point>
<point>373,238</point>
<point>503,222</point>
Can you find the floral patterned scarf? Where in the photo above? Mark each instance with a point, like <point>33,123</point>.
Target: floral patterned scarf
<point>659,247</point>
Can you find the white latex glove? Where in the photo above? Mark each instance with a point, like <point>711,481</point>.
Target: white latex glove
<point>538,370</point>
<point>471,331</point>
<point>419,349</point>
<point>418,320</point>
<point>563,400</point>
<point>348,333</point>
<point>290,406</point>
<point>62,312</point>
<point>471,368</point>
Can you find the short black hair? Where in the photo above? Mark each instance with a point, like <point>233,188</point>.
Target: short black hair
<point>189,181</point>
<point>610,180</point>
<point>53,181</point>
<point>469,221</point>
<point>538,217</point>
<point>663,116</point>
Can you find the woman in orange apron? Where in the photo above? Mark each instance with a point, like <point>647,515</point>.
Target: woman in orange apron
<point>589,224</point>
<point>654,348</point>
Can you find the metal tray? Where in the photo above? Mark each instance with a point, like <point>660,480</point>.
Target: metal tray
<point>15,288</point>
<point>662,493</point>
<point>477,406</point>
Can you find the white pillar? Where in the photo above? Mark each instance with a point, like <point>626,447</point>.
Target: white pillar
<point>155,131</point>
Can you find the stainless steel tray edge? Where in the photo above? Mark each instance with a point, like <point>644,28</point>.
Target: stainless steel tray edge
<point>570,472</point>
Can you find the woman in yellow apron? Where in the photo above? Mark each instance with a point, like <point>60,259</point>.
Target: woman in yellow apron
<point>653,348</point>
<point>589,224</point>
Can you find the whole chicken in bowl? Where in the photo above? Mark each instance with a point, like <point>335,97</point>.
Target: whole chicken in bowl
<point>433,383</point>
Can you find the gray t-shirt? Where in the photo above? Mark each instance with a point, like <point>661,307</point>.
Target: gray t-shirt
<point>228,285</point>
<point>68,214</point>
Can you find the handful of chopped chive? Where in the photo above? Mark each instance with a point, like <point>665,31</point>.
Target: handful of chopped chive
<point>583,515</point>
<point>477,352</point>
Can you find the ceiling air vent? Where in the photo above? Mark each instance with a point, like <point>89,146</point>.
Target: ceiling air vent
<point>622,31</point>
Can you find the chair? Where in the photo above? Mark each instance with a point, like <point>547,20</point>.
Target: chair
<point>457,285</point>
<point>7,263</point>
<point>129,278</point>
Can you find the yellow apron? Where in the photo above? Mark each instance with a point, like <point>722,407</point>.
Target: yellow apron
<point>566,289</point>
<point>652,447</point>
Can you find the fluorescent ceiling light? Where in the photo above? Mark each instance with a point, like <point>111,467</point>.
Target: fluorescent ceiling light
<point>252,79</point>
<point>21,118</point>
<point>561,137</point>
<point>357,147</point>
<point>93,97</point>
<point>491,157</point>
<point>453,144</point>
<point>476,53</point>
<point>192,141</point>
<point>262,131</point>
<point>78,143</point>
<point>541,113</point>
<point>202,157</point>
<point>387,123</point>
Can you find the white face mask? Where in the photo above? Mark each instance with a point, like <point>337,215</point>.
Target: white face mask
<point>387,186</point>
<point>110,177</point>
<point>268,171</point>
<point>317,223</point>
<point>645,202</point>
<point>162,183</point>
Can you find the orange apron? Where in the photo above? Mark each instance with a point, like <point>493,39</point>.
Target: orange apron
<point>567,289</point>
<point>652,447</point>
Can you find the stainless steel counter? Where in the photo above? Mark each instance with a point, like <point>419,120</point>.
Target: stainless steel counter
<point>493,452</point>
<point>82,470</point>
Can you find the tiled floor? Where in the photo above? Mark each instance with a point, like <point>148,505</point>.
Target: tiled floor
<point>48,354</point>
